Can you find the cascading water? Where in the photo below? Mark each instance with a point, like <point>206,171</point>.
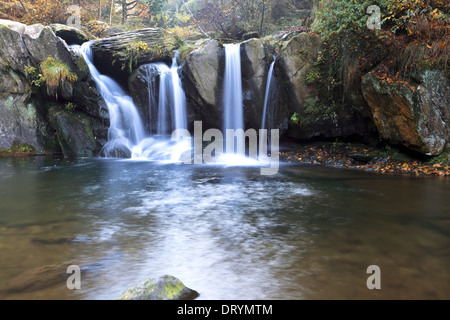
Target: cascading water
<point>235,153</point>
<point>267,117</point>
<point>127,133</point>
<point>234,118</point>
<point>126,127</point>
<point>233,100</point>
<point>170,114</point>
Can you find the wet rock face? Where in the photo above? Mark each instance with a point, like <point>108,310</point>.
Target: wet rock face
<point>203,80</point>
<point>416,114</point>
<point>25,106</point>
<point>255,65</point>
<point>310,114</point>
<point>203,77</point>
<point>163,288</point>
<point>295,61</point>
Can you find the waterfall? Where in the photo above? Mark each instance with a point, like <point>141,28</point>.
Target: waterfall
<point>179,98</point>
<point>268,100</point>
<point>126,133</point>
<point>126,127</point>
<point>233,100</point>
<point>267,118</point>
<point>234,118</point>
<point>170,113</point>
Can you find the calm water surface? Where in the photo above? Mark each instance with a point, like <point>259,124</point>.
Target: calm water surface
<point>229,233</point>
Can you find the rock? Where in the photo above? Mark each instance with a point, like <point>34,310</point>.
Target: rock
<point>294,63</point>
<point>110,31</point>
<point>311,115</point>
<point>115,55</point>
<point>203,80</point>
<point>52,240</point>
<point>69,34</point>
<point>361,157</point>
<point>21,118</point>
<point>38,278</point>
<point>415,114</point>
<point>76,132</point>
<point>250,35</point>
<point>138,84</point>
<point>24,106</point>
<point>163,288</point>
<point>256,60</point>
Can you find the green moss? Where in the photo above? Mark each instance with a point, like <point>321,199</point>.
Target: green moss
<point>442,159</point>
<point>185,49</point>
<point>18,148</point>
<point>313,76</point>
<point>316,109</point>
<point>54,74</point>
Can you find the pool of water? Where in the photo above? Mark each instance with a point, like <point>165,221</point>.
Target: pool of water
<point>227,232</point>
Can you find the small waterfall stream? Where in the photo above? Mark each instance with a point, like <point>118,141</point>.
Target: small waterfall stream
<point>267,118</point>
<point>234,118</point>
<point>126,127</point>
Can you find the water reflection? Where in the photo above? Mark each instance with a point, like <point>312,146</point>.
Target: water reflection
<point>229,233</point>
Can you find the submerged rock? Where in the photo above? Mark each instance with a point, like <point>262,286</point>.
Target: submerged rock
<point>163,288</point>
<point>38,278</point>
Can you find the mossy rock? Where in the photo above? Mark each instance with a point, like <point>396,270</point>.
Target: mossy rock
<point>165,287</point>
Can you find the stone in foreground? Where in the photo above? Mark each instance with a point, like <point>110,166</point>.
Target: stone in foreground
<point>163,288</point>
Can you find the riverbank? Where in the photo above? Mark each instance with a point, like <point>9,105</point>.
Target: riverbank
<point>362,157</point>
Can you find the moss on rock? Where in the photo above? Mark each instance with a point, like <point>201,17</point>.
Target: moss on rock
<point>163,288</point>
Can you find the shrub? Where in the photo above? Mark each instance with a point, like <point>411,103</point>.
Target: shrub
<point>55,73</point>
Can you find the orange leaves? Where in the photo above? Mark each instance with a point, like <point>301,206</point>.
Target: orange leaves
<point>359,158</point>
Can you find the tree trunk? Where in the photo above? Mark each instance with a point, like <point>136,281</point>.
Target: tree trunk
<point>111,12</point>
<point>124,11</point>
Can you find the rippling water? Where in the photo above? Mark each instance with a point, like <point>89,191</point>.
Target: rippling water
<point>229,233</point>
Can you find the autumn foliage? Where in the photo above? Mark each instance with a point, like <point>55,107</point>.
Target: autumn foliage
<point>46,11</point>
<point>414,34</point>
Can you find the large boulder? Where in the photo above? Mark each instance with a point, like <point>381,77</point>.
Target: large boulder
<point>76,131</point>
<point>119,55</point>
<point>69,34</point>
<point>312,111</point>
<point>294,63</point>
<point>21,118</point>
<point>254,67</point>
<point>163,288</point>
<point>414,114</point>
<point>25,104</point>
<point>203,83</point>
<point>142,85</point>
